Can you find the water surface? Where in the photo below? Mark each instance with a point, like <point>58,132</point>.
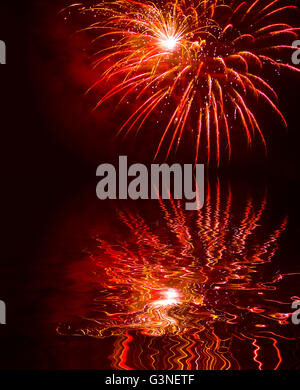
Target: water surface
<point>151,286</point>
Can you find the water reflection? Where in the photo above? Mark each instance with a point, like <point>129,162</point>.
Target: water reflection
<point>191,290</point>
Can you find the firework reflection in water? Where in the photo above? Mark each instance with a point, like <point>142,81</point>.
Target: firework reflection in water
<point>190,290</point>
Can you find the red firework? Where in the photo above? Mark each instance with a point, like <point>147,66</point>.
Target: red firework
<point>200,64</point>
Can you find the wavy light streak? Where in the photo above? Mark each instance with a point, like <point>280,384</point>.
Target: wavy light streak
<point>184,291</point>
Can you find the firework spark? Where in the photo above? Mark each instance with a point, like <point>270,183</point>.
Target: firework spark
<point>199,65</point>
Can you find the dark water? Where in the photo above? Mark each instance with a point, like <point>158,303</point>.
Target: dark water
<point>150,286</point>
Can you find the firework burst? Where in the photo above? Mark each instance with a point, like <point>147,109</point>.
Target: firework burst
<point>198,65</point>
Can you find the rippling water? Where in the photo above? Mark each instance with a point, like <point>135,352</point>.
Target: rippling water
<point>172,289</point>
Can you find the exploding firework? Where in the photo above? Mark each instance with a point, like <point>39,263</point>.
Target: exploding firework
<point>199,65</point>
